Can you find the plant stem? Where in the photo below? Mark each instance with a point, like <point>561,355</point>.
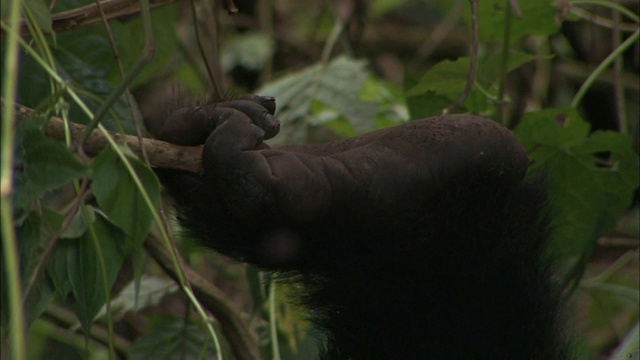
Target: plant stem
<point>504,61</point>
<point>9,245</point>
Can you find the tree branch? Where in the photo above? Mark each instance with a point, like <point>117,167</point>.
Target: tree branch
<point>161,154</point>
<point>90,14</point>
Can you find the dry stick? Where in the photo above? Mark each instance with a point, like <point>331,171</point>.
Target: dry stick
<point>196,27</point>
<point>161,154</point>
<point>90,14</point>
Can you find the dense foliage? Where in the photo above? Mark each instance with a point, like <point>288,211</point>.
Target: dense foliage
<point>77,230</point>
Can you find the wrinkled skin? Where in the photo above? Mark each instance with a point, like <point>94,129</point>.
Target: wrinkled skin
<point>421,241</point>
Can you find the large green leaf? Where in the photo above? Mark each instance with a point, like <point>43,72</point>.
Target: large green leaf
<point>118,195</point>
<point>75,266</point>
<point>443,84</point>
<point>86,272</point>
<point>129,36</point>
<point>336,85</point>
<point>48,164</point>
<point>35,234</point>
<point>63,254</point>
<point>593,177</point>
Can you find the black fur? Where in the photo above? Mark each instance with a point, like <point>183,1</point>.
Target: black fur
<point>418,242</point>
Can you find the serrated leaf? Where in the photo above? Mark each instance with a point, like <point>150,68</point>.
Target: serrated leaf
<point>555,128</point>
<point>172,339</point>
<point>588,197</point>
<point>444,83</point>
<point>336,85</point>
<point>48,164</point>
<point>118,195</point>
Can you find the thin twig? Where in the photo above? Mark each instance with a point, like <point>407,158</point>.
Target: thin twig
<point>116,55</point>
<point>37,271</point>
<point>244,345</point>
<point>473,60</point>
<point>196,27</point>
<point>90,14</point>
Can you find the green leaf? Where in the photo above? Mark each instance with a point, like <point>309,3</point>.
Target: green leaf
<point>150,292</point>
<point>628,348</point>
<point>64,253</point>
<point>381,7</point>
<point>35,234</point>
<point>438,88</point>
<point>446,77</point>
<point>427,104</point>
<point>87,76</point>
<point>336,85</point>
<point>553,128</point>
<point>48,164</point>
<point>489,70</point>
<point>538,18</point>
<point>86,272</point>
<point>250,50</point>
<point>592,178</point>
<point>130,39</point>
<point>171,339</point>
<point>42,14</point>
<point>78,226</point>
<point>118,195</point>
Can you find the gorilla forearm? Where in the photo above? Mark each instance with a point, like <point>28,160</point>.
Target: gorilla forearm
<point>418,160</point>
<point>426,227</point>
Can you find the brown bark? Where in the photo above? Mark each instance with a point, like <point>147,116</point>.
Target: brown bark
<point>90,14</point>
<point>161,154</point>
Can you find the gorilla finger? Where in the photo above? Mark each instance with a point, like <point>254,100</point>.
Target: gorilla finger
<point>258,114</point>
<point>268,102</point>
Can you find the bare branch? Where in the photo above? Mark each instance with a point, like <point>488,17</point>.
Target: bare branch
<point>161,154</point>
<point>90,14</point>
